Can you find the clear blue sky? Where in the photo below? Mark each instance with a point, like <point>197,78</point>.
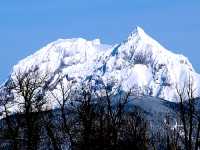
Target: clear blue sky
<point>27,25</point>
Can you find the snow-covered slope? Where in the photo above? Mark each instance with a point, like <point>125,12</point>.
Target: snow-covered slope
<point>139,62</point>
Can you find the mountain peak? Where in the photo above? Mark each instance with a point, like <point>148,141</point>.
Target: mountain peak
<point>137,32</point>
<point>143,41</point>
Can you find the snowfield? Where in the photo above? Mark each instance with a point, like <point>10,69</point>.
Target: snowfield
<point>139,62</point>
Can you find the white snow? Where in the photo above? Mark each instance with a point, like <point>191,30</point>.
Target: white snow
<point>139,76</point>
<point>79,58</point>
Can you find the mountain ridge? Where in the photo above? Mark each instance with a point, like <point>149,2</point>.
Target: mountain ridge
<point>139,62</point>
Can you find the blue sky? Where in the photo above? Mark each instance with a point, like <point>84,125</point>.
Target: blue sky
<point>27,25</point>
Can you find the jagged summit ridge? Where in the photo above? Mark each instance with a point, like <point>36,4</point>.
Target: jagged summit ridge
<point>138,62</point>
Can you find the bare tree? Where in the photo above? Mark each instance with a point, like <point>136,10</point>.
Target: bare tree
<point>62,93</point>
<point>189,115</point>
<point>29,97</point>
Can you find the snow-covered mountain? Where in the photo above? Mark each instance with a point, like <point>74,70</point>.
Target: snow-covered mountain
<point>139,62</point>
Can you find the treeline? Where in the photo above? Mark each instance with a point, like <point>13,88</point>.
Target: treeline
<point>86,118</point>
